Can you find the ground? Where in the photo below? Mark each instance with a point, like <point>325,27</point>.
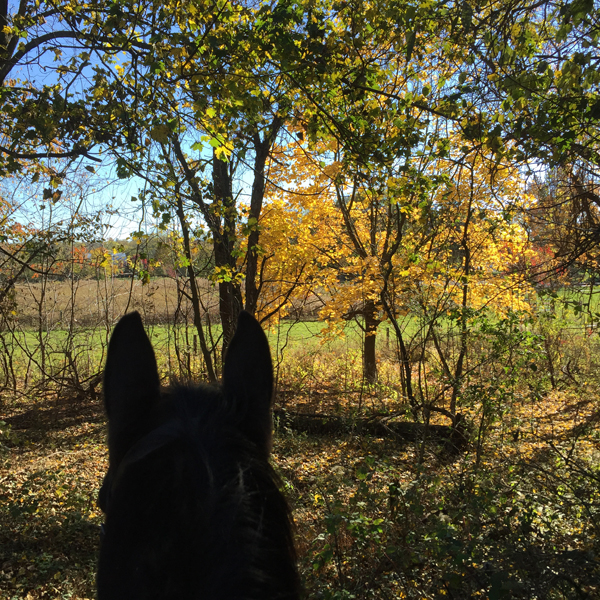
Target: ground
<point>375,517</point>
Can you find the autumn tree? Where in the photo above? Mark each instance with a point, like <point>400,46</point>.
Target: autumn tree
<point>193,97</point>
<point>206,103</point>
<point>530,84</point>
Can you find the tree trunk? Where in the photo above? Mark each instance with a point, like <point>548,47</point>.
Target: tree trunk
<point>464,330</point>
<point>369,356</point>
<point>262,148</point>
<point>194,290</point>
<point>230,295</point>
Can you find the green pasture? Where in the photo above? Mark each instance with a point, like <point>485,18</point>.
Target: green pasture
<point>92,341</point>
<point>27,353</point>
<point>30,355</point>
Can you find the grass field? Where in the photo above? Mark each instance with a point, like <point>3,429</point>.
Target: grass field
<point>61,357</point>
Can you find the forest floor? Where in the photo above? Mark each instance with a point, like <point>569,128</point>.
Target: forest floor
<point>516,516</point>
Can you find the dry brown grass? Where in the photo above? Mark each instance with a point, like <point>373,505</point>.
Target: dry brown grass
<point>92,302</point>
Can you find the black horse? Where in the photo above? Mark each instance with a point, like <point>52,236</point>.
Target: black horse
<point>193,508</point>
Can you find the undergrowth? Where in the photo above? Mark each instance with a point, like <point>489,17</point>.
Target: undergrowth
<point>515,514</point>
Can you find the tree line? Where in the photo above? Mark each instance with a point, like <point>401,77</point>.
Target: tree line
<point>391,158</point>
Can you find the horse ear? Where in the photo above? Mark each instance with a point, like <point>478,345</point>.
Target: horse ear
<point>131,383</point>
<point>248,380</point>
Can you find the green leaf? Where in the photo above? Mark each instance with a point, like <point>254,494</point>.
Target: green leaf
<point>160,133</point>
<point>411,36</point>
<point>466,16</point>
